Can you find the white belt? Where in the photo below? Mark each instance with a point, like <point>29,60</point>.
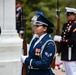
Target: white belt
<point>30,67</point>
<point>70,52</point>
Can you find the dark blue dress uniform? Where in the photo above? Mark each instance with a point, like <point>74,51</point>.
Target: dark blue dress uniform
<point>41,55</point>
<point>68,33</point>
<point>18,20</point>
<point>41,65</point>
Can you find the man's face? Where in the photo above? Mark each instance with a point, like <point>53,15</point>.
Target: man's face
<point>71,17</point>
<point>18,5</point>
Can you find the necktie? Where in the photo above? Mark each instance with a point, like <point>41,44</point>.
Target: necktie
<point>36,39</point>
<point>36,42</point>
<point>33,42</point>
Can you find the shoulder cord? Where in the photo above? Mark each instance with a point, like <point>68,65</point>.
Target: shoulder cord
<point>42,48</point>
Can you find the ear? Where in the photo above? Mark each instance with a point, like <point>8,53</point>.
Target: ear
<point>45,28</point>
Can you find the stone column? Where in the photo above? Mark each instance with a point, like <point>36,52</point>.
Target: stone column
<point>10,43</point>
<point>7,18</point>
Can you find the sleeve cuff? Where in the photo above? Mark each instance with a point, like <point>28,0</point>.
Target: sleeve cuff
<point>31,62</point>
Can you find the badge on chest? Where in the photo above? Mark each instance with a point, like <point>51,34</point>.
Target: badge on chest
<point>37,52</point>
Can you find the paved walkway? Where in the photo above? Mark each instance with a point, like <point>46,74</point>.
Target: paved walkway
<point>58,72</point>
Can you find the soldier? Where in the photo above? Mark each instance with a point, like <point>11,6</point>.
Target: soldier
<point>68,42</point>
<point>42,48</point>
<point>19,18</point>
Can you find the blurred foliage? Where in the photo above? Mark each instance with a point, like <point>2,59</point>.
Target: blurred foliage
<point>48,7</point>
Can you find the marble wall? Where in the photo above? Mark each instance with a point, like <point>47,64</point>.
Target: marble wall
<point>10,43</point>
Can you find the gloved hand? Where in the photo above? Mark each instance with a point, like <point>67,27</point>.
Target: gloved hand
<point>56,54</point>
<point>57,38</point>
<point>21,31</point>
<point>23,58</point>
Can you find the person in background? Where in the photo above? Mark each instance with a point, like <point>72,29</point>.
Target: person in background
<point>20,19</point>
<point>68,42</point>
<point>42,48</point>
<point>18,16</point>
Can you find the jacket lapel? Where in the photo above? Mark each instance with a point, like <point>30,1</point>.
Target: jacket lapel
<point>43,40</point>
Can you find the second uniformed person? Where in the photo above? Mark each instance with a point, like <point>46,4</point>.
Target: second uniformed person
<point>18,16</point>
<point>42,50</point>
<point>68,42</point>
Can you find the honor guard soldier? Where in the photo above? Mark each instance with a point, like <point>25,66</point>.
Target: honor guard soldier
<point>42,48</point>
<point>18,16</point>
<point>68,42</point>
<point>20,19</point>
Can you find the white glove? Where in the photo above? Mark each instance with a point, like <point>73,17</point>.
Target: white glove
<point>56,54</point>
<point>21,31</point>
<point>23,58</point>
<point>57,38</point>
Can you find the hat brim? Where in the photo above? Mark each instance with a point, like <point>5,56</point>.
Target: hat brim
<point>47,21</point>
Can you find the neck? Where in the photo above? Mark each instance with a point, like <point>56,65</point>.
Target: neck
<point>41,34</point>
<point>71,21</point>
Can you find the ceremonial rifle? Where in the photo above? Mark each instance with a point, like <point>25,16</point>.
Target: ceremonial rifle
<point>58,23</point>
<point>58,19</point>
<point>57,31</point>
<point>23,22</point>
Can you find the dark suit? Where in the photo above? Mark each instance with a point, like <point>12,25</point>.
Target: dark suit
<point>40,64</point>
<point>18,20</point>
<point>68,33</point>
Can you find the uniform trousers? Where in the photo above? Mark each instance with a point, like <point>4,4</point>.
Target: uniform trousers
<point>70,67</point>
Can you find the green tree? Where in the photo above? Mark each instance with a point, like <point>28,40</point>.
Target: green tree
<point>48,7</point>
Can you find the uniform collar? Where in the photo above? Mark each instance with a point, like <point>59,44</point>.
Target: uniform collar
<point>18,8</point>
<point>71,21</point>
<point>42,36</point>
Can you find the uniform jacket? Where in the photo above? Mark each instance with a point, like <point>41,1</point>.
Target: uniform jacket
<point>41,63</point>
<point>68,33</point>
